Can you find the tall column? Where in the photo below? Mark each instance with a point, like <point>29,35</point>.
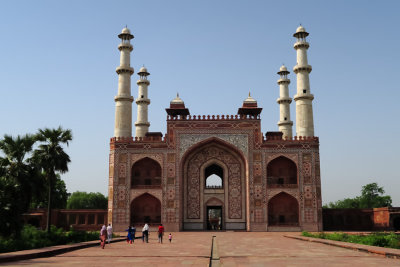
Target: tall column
<point>142,124</point>
<point>284,124</point>
<point>124,99</point>
<point>303,98</point>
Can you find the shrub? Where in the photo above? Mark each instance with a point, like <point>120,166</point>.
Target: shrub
<point>389,240</point>
<point>33,238</point>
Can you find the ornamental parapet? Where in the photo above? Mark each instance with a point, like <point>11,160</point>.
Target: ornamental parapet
<point>293,139</point>
<point>123,98</point>
<point>143,100</point>
<point>284,100</point>
<point>143,81</point>
<point>303,96</point>
<point>212,117</point>
<point>125,46</point>
<point>301,44</point>
<point>283,81</point>
<point>124,69</point>
<point>299,68</point>
<point>136,139</point>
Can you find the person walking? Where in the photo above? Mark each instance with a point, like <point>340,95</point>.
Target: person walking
<point>133,233</point>
<point>109,233</point>
<point>170,237</point>
<point>160,233</point>
<point>130,238</point>
<point>146,232</point>
<point>103,234</point>
<point>143,234</point>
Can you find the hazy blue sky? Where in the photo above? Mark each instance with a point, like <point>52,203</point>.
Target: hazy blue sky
<point>58,60</point>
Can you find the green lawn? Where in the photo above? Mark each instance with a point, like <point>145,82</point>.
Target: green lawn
<point>387,240</point>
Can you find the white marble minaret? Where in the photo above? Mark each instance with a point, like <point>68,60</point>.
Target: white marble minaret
<point>124,99</point>
<point>284,124</point>
<point>303,98</point>
<point>142,124</point>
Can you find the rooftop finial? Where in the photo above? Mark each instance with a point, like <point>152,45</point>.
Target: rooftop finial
<point>177,94</point>
<point>249,94</point>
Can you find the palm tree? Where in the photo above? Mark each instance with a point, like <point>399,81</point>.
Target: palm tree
<point>18,180</point>
<point>51,157</point>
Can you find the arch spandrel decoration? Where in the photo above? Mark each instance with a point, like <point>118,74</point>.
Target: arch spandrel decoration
<point>240,141</point>
<point>192,173</point>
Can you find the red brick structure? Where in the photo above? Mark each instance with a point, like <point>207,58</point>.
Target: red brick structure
<point>377,219</point>
<point>82,219</point>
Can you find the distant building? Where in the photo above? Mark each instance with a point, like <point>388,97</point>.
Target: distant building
<point>215,171</point>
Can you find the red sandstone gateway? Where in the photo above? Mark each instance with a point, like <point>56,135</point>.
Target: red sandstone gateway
<point>215,172</point>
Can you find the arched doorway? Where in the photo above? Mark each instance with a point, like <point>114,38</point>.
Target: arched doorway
<point>145,209</point>
<point>146,173</point>
<point>214,214</point>
<point>281,172</point>
<point>283,210</point>
<point>213,169</point>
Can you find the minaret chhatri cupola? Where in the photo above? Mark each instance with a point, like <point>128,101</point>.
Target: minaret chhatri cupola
<point>177,108</point>
<point>303,98</point>
<point>124,99</point>
<point>142,124</point>
<point>284,124</point>
<point>250,108</point>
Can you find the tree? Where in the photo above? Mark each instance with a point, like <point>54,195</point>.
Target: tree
<point>347,203</point>
<point>51,157</point>
<point>18,181</point>
<point>371,197</point>
<point>59,195</point>
<point>83,200</point>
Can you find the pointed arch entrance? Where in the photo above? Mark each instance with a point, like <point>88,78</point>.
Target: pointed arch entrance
<point>283,210</point>
<point>208,158</point>
<point>145,209</point>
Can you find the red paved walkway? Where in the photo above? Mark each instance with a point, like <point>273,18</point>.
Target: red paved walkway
<point>234,249</point>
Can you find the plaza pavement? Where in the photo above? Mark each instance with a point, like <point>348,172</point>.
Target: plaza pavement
<point>232,249</point>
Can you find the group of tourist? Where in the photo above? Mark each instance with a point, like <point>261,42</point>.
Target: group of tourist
<point>106,234</point>
<point>145,234</point>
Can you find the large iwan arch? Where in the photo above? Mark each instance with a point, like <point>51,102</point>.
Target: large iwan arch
<point>214,157</point>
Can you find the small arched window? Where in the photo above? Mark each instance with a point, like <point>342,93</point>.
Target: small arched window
<point>214,176</point>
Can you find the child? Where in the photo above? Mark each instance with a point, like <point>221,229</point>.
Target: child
<point>170,237</point>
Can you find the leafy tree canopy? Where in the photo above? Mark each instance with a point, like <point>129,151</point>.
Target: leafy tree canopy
<point>371,197</point>
<point>29,175</point>
<point>59,195</point>
<point>84,200</point>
